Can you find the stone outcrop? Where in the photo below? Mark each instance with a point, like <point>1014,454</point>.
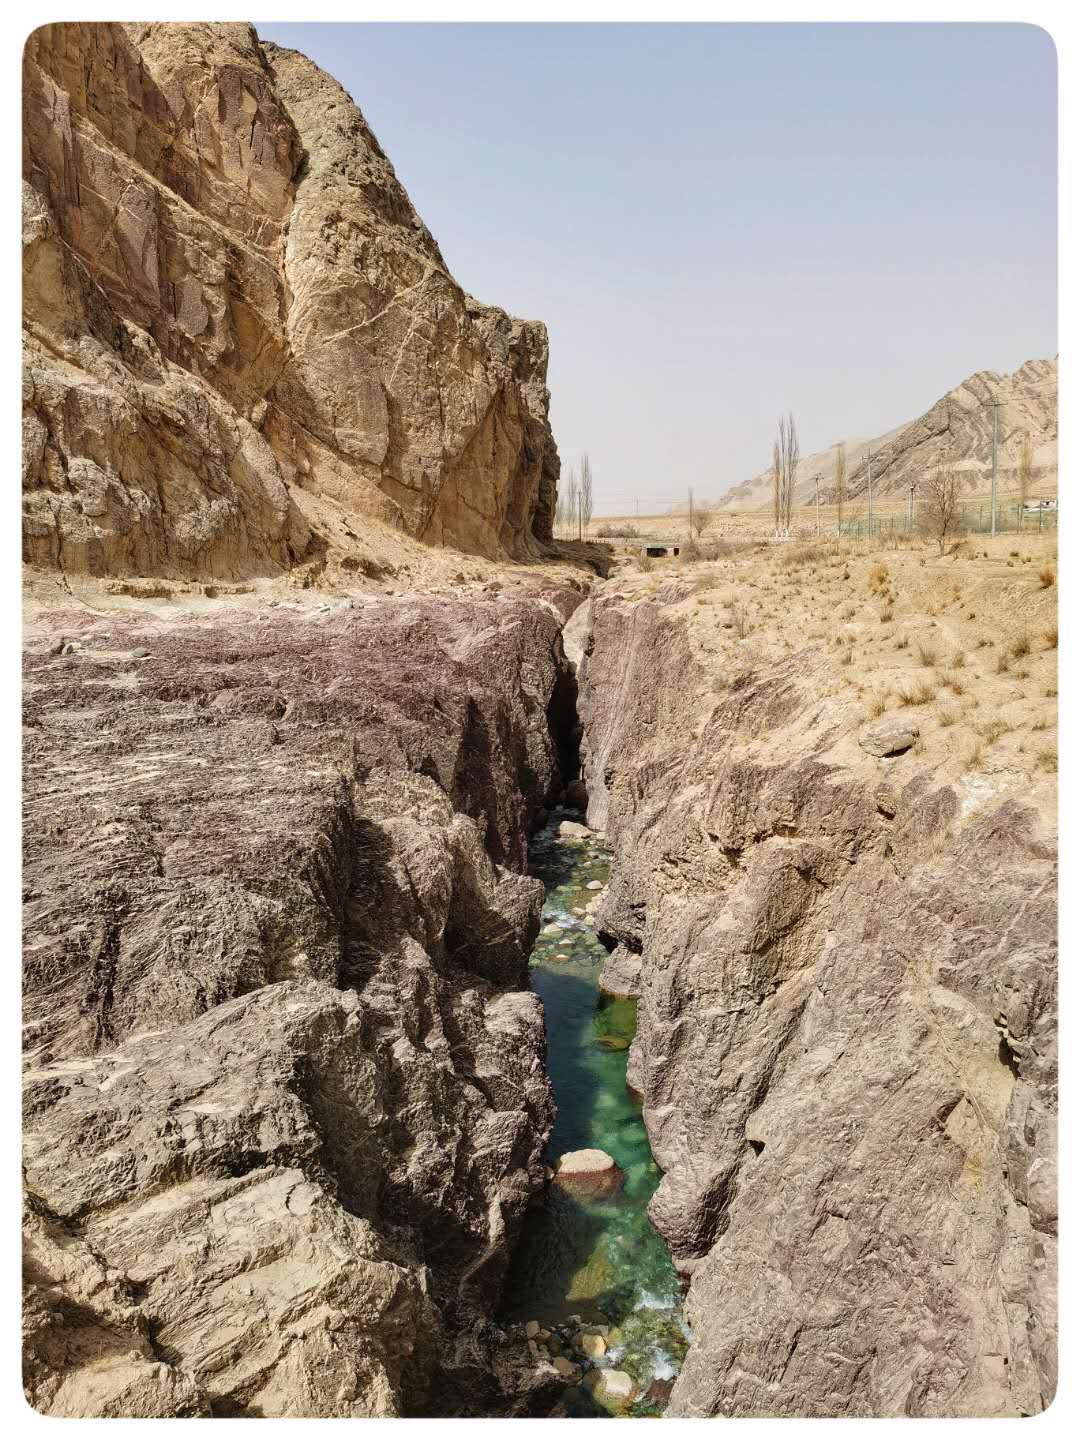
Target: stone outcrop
<point>236,325</point>
<point>285,1094</point>
<point>846,1039</point>
<point>957,431</point>
<point>587,1172</point>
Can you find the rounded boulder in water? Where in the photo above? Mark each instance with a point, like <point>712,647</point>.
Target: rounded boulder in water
<point>588,1172</point>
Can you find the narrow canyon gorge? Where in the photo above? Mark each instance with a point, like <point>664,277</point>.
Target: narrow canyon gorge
<point>357,809</point>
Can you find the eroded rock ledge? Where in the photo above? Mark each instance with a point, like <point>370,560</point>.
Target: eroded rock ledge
<point>285,1093</point>
<point>846,1037</point>
<point>239,335</point>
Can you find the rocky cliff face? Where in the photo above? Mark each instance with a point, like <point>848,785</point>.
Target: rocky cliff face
<point>237,326</point>
<point>285,1096</point>
<point>846,1044</point>
<point>957,431</point>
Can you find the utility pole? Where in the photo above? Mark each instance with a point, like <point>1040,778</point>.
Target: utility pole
<point>993,472</point>
<point>869,498</point>
<point>911,506</point>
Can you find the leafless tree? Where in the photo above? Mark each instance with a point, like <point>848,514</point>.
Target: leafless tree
<point>776,511</point>
<point>841,488</point>
<point>1023,472</point>
<point>585,496</point>
<point>698,517</point>
<point>785,463</point>
<point>573,502</point>
<point>940,505</point>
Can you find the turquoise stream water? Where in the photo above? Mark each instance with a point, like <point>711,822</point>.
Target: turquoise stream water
<point>600,1260</point>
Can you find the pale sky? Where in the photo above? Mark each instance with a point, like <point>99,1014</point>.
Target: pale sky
<point>720,222</point>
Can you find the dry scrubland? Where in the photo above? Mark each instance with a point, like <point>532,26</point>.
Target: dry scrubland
<point>964,645</point>
<point>845,965</point>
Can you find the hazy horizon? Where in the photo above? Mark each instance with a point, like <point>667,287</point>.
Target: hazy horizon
<point>720,222</point>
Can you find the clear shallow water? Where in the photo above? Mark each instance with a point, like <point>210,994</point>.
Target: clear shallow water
<point>600,1260</point>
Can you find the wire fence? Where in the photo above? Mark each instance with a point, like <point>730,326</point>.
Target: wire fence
<point>970,519</point>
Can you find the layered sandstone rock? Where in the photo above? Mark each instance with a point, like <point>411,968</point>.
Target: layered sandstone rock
<point>846,1039</point>
<point>285,1098</point>
<point>236,324</point>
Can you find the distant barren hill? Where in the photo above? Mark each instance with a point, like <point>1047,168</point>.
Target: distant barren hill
<point>956,431</point>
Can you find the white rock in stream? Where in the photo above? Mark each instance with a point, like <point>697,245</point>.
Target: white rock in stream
<point>588,1171</point>
<point>571,830</point>
<point>613,1389</point>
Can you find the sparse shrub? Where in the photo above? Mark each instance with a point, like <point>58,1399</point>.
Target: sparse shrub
<point>1020,647</point>
<point>959,660</point>
<point>928,656</point>
<point>1050,692</point>
<point>617,532</point>
<point>982,642</point>
<point>903,643</point>
<point>955,684</point>
<point>878,705</point>
<point>1046,758</point>
<point>1002,665</point>
<point>1047,577</point>
<point>885,615</point>
<point>644,562</point>
<point>879,576</point>
<point>1041,724</point>
<point>1050,637</point>
<point>798,556</point>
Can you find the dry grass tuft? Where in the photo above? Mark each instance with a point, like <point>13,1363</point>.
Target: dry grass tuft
<point>992,730</point>
<point>975,758</point>
<point>878,705</point>
<point>1050,637</point>
<point>928,656</point>
<point>1046,579</point>
<point>920,695</point>
<point>1046,758</point>
<point>1020,647</point>
<point>947,717</point>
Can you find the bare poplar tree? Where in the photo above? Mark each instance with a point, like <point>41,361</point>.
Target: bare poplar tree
<point>586,495</point>
<point>841,488</point>
<point>1023,472</point>
<point>785,463</point>
<point>940,505</point>
<point>776,485</point>
<point>573,503</point>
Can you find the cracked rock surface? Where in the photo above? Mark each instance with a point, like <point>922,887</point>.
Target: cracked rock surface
<point>285,1098</point>
<point>846,1034</point>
